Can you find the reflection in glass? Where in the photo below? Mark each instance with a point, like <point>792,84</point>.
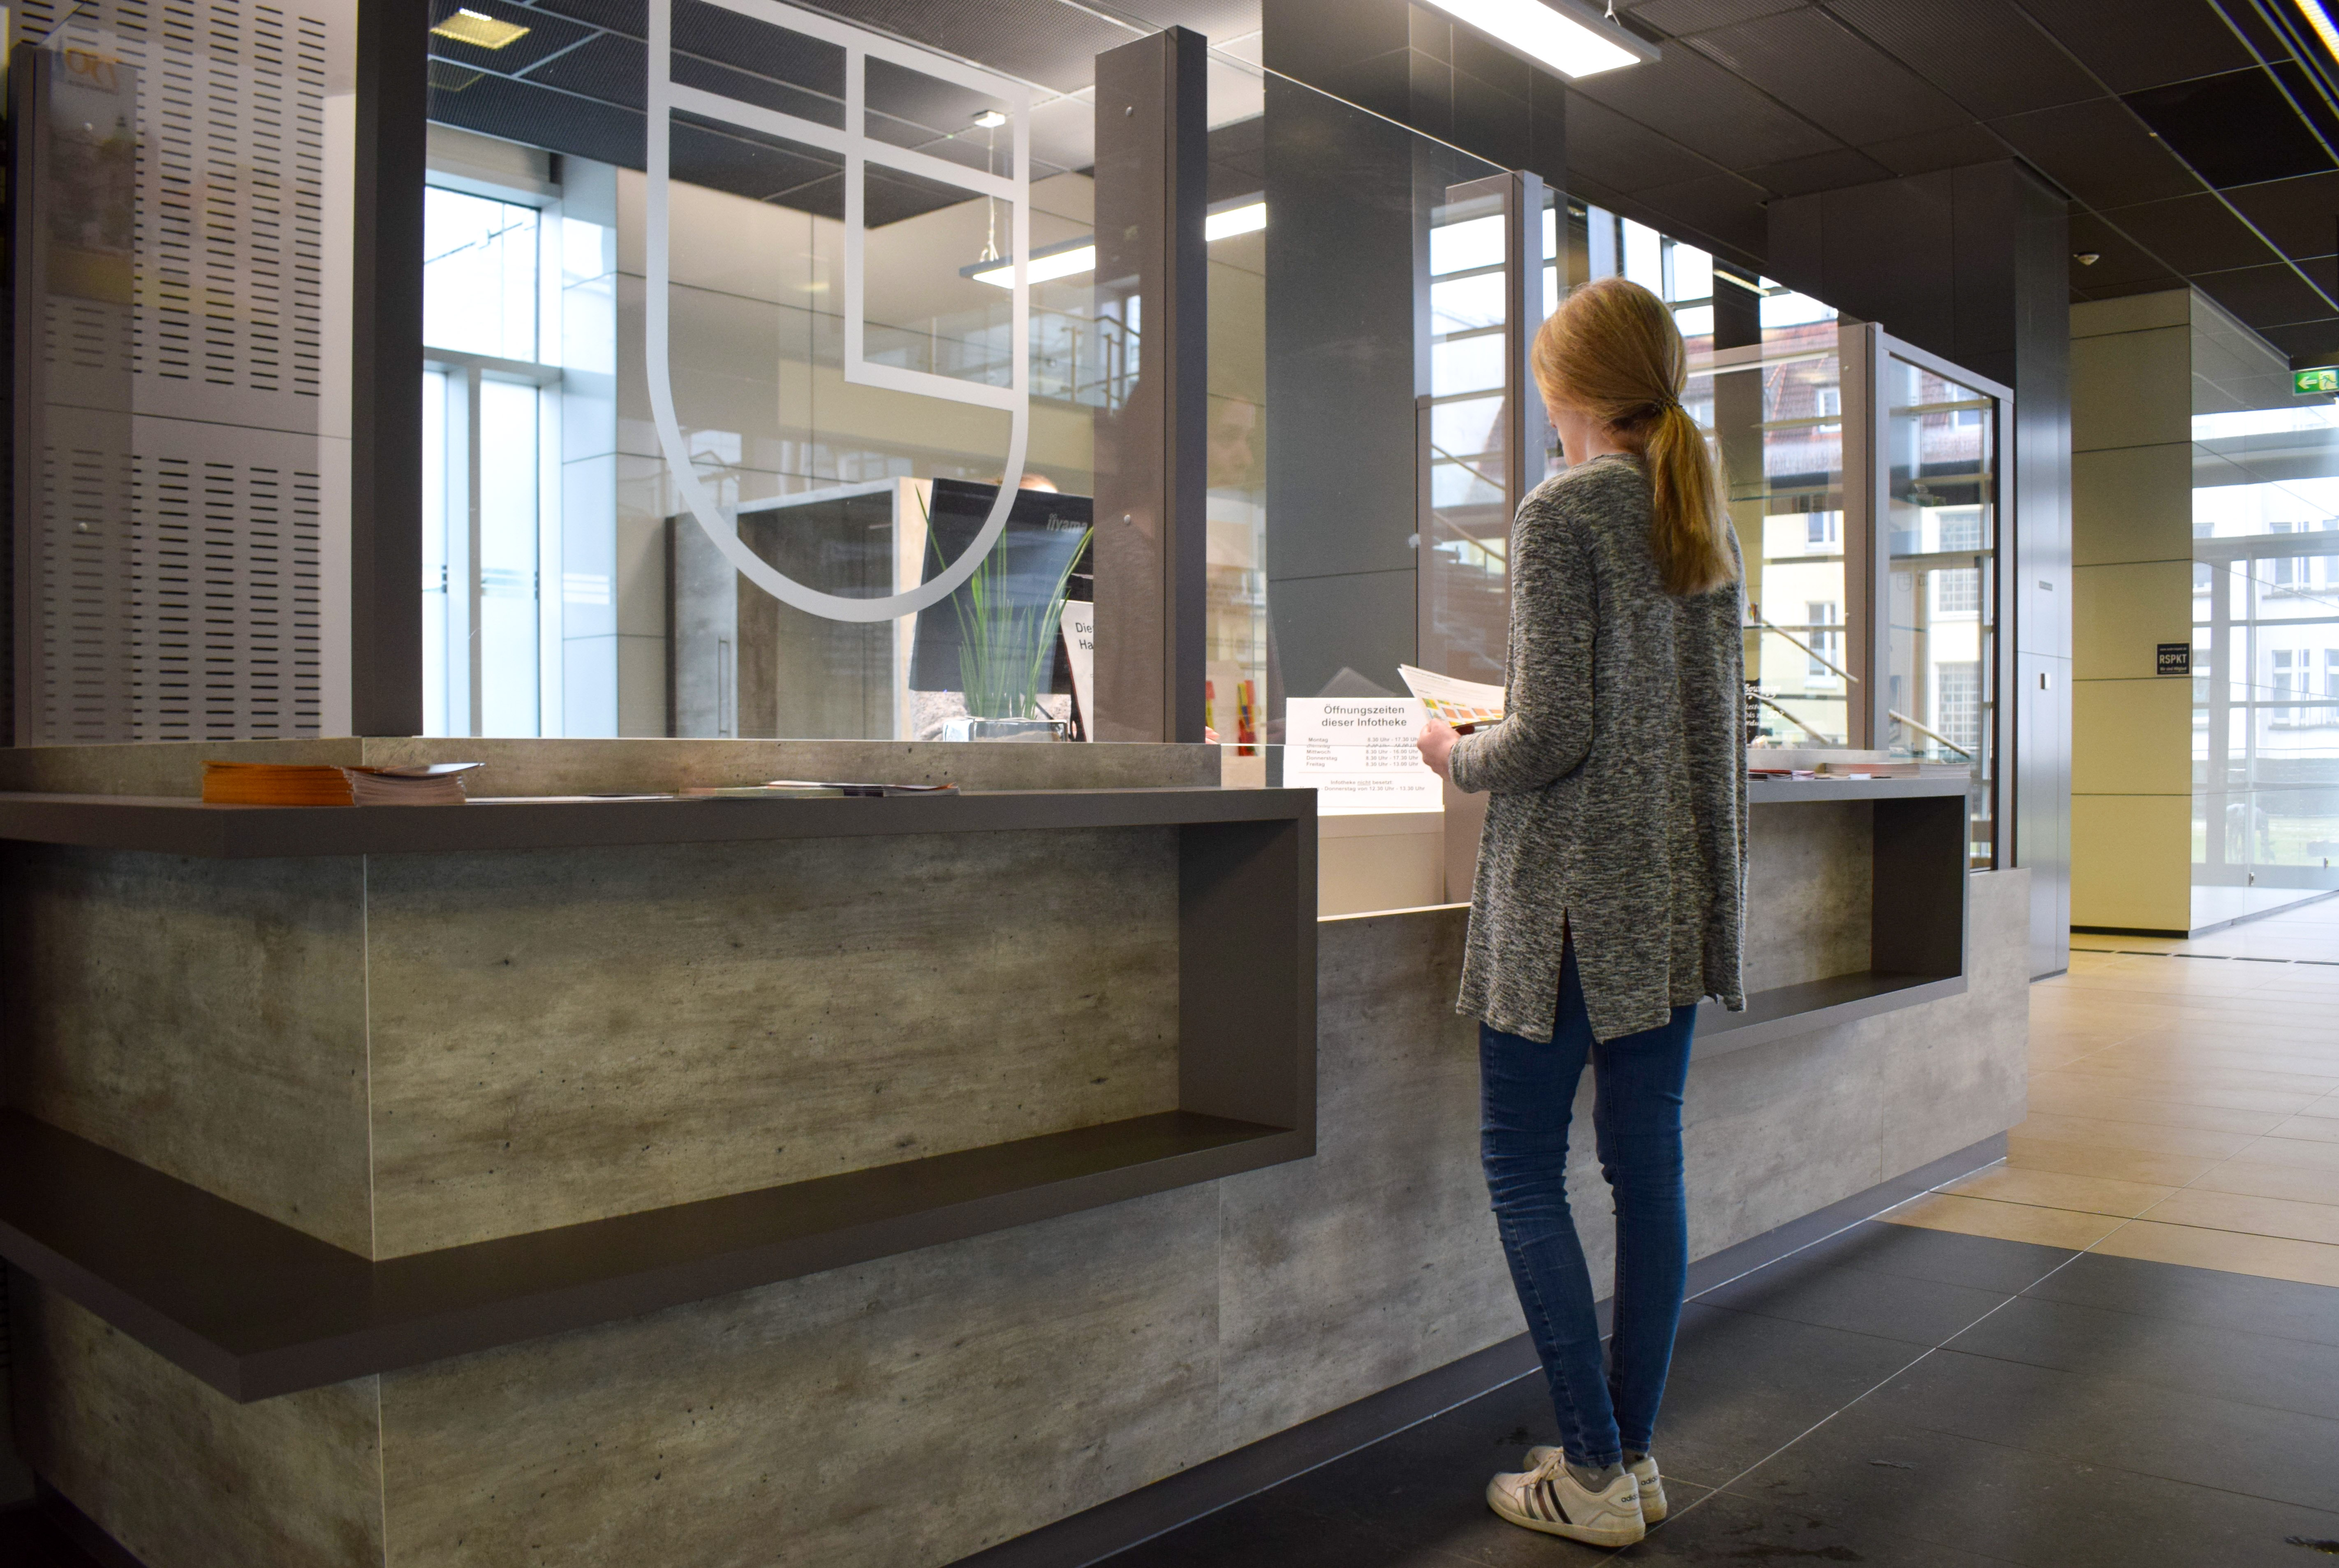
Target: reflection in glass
<point>1940,531</point>
<point>1465,590</point>
<point>1777,418</point>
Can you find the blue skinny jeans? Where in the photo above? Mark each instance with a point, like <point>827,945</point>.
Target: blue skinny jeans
<point>1527,1098</point>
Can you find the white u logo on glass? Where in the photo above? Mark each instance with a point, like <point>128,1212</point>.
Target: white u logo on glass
<point>858,149</point>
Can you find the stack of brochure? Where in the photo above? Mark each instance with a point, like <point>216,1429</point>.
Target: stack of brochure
<point>305,784</point>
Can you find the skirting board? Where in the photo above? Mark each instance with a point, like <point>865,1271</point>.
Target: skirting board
<point>1098,1533</point>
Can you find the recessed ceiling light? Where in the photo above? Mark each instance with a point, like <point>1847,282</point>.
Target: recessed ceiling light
<point>1066,260</point>
<point>480,30</point>
<point>989,119</point>
<point>2320,20</point>
<point>2087,258</point>
<point>1072,257</point>
<point>1572,40</point>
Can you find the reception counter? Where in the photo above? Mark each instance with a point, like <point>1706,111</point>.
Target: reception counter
<point>579,1182</point>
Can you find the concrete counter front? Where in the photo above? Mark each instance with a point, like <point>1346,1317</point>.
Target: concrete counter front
<point>585,1185</point>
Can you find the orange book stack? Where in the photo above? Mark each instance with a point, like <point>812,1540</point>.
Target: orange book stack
<point>305,784</point>
<point>275,784</point>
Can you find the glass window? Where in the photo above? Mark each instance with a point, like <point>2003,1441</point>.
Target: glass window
<point>1774,416</point>
<point>2266,689</point>
<point>1939,533</point>
<point>495,276</point>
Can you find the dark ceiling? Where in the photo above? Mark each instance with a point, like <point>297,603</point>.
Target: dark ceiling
<point>2193,142</point>
<point>2196,139</point>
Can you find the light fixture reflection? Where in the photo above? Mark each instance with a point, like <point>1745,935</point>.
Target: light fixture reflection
<point>480,30</point>
<point>1558,37</point>
<point>1075,257</point>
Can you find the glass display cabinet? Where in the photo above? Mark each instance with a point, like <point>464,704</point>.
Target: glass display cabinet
<point>1864,477</point>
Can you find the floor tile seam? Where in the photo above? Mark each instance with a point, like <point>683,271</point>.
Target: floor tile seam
<point>2191,1322</point>
<point>2052,1207</point>
<point>2149,1475</point>
<point>2193,1394</point>
<point>2238,1197</point>
<point>2178,1093</point>
<point>2277,1117</point>
<point>1898,1373</point>
<point>2146,1219</point>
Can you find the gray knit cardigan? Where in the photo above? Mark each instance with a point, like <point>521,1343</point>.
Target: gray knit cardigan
<point>1618,774</point>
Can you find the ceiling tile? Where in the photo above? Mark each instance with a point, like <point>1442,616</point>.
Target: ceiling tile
<point>1676,17</point>
<point>1822,172</point>
<point>2234,129</point>
<point>2300,215</point>
<point>2143,43</point>
<point>1707,110</point>
<point>1621,154</point>
<point>630,17</point>
<point>1719,207</point>
<point>2192,234</point>
<point>2307,343</point>
<point>1985,53</point>
<point>2269,296</point>
<point>542,34</point>
<point>1041,41</point>
<point>1951,147</point>
<point>517,111</point>
<point>2119,261</point>
<point>1826,72</point>
<point>2098,152</point>
<point>610,68</point>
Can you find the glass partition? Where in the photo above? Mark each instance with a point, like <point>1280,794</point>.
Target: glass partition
<point>737,422</point>
<point>1777,416</point>
<point>1940,547</point>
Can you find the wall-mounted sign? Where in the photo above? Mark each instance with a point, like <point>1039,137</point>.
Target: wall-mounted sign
<point>2176,659</point>
<point>2310,382</point>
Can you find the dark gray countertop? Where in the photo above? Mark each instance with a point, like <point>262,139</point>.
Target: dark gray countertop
<point>192,827</point>
<point>1779,792</point>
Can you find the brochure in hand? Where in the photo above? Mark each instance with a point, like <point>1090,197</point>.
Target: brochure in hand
<point>1464,705</point>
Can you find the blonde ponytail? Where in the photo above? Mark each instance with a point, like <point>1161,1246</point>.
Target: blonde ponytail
<point>1611,350</point>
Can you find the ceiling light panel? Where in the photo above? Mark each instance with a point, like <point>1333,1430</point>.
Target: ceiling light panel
<point>480,30</point>
<point>1570,42</point>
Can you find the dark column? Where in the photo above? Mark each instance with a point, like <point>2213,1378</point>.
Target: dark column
<point>1737,309</point>
<point>1969,263</point>
<point>1152,144</point>
<point>386,361</point>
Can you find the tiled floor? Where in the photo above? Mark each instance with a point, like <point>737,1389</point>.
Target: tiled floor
<point>2119,1347</point>
<point>2183,1105</point>
<point>1904,1397</point>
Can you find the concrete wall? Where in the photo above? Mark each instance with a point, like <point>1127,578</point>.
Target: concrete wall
<point>1013,1379</point>
<point>2132,541</point>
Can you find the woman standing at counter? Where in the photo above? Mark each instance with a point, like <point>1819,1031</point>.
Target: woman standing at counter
<point>1610,879</point>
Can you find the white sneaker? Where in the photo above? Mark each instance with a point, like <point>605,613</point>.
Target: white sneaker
<point>1643,1470</point>
<point>1549,1498</point>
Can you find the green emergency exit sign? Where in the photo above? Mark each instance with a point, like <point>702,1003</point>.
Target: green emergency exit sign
<point>2310,382</point>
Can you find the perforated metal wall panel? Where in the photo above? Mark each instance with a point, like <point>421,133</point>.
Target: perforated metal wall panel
<point>188,401</point>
